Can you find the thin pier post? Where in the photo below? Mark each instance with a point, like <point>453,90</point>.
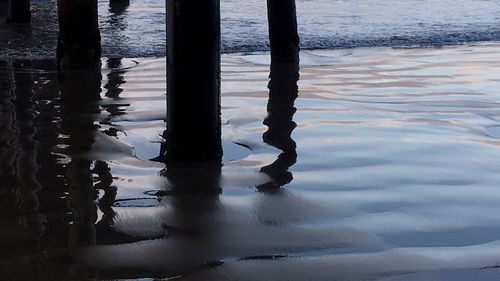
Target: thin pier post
<point>119,3</point>
<point>283,35</point>
<point>193,80</point>
<point>19,11</point>
<point>118,6</point>
<point>79,42</point>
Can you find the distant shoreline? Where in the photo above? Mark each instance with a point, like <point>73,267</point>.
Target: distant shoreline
<point>41,56</point>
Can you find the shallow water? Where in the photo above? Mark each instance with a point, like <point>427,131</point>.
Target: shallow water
<point>392,169</point>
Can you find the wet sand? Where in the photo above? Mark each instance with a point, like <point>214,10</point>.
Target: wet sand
<point>386,168</point>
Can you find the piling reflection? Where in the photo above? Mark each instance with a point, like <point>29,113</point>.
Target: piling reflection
<point>115,78</point>
<point>78,104</point>
<point>105,183</point>
<point>26,159</point>
<point>193,223</point>
<point>79,100</point>
<point>109,214</point>
<point>283,92</point>
<point>49,193</point>
<point>8,146</point>
<point>30,193</point>
<point>20,216</point>
<point>113,88</point>
<point>193,178</point>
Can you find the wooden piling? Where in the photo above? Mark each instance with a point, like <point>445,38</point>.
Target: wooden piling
<point>79,42</point>
<point>118,6</point>
<point>283,35</point>
<point>193,80</point>
<point>283,90</point>
<point>119,3</point>
<point>19,11</point>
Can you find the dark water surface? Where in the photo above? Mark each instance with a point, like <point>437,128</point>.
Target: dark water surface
<point>386,164</point>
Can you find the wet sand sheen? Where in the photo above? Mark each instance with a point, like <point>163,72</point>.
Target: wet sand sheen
<point>395,172</point>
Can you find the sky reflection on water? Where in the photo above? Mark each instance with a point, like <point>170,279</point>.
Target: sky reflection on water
<point>391,169</point>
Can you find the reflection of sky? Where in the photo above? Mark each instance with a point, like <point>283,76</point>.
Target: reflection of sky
<point>401,144</point>
<point>366,145</point>
<point>388,179</point>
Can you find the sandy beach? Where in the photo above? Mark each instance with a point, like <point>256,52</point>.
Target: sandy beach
<point>395,174</point>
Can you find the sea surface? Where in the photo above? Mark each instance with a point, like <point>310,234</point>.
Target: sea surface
<point>139,30</point>
<point>323,24</point>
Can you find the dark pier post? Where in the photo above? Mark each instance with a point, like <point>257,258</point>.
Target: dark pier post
<point>283,91</point>
<point>117,7</point>
<point>283,35</point>
<point>79,44</point>
<point>119,3</point>
<point>193,80</point>
<point>19,11</point>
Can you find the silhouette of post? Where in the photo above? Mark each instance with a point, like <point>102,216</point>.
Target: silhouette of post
<point>79,42</point>
<point>118,7</point>
<point>193,80</point>
<point>8,144</point>
<point>119,4</point>
<point>79,92</point>
<point>205,183</point>
<point>283,35</point>
<point>283,91</point>
<point>115,78</point>
<point>19,11</point>
<point>26,165</point>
